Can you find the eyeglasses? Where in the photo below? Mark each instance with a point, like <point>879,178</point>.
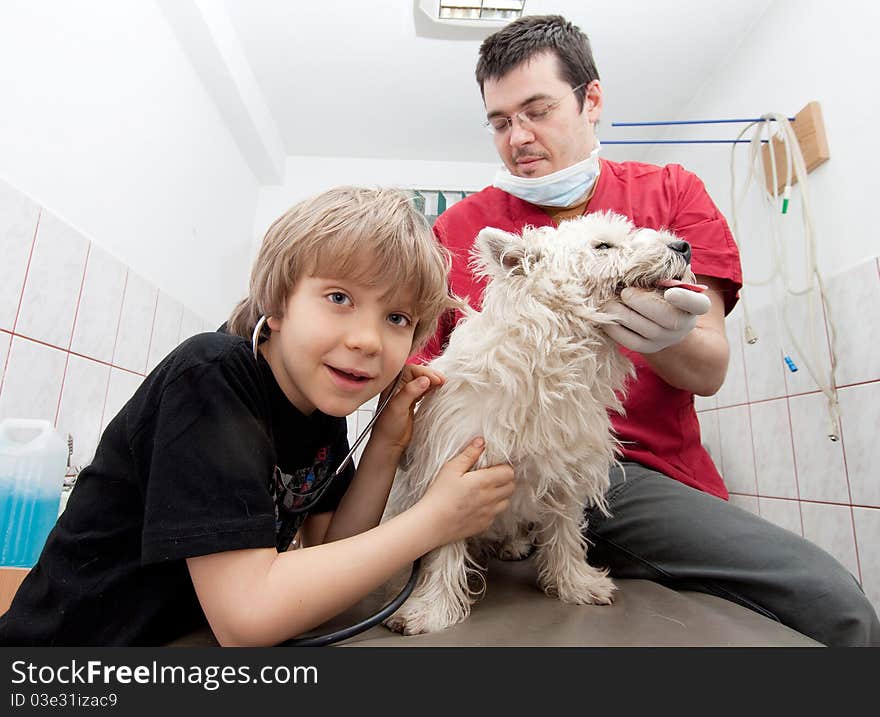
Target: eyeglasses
<point>529,117</point>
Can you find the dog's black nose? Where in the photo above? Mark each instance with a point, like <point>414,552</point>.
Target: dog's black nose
<point>680,246</point>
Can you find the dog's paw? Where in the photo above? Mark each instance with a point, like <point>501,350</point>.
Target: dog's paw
<point>399,623</point>
<point>515,548</point>
<point>415,623</point>
<point>420,617</point>
<point>585,587</point>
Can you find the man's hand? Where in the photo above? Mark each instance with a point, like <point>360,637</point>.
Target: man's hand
<point>394,427</point>
<point>648,322</point>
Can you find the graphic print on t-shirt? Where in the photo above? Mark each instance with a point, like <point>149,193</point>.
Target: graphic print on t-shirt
<point>294,495</point>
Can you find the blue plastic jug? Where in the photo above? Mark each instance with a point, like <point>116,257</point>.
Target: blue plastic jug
<point>33,460</point>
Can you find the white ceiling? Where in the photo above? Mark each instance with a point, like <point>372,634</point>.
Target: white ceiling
<point>352,78</point>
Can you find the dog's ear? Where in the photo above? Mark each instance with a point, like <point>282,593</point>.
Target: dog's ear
<point>500,253</point>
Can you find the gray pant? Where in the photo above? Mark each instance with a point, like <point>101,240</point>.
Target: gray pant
<point>665,531</point>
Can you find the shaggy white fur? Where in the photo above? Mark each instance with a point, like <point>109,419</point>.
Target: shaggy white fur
<point>534,374</point>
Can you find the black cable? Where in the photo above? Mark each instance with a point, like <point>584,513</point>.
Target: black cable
<point>366,624</point>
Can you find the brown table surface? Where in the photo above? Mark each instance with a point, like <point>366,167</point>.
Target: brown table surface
<point>514,612</point>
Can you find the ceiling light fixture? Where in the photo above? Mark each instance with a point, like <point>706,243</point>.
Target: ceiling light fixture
<point>474,13</point>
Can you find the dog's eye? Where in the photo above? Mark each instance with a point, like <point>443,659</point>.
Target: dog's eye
<point>602,245</point>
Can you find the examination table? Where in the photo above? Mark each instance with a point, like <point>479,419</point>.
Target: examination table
<point>515,613</point>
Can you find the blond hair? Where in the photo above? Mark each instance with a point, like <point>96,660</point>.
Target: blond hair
<point>373,236</point>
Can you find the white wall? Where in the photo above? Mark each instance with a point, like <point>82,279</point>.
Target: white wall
<point>105,123</point>
<point>306,176</point>
<point>798,52</point>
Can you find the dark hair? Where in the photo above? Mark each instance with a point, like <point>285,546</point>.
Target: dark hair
<point>528,36</point>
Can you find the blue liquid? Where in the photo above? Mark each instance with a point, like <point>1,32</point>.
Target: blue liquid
<point>25,522</point>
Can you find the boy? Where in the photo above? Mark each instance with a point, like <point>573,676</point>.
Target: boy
<point>227,450</point>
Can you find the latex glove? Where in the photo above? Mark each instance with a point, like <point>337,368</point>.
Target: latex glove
<point>649,322</point>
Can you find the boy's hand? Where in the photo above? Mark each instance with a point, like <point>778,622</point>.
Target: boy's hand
<point>394,427</point>
<point>462,503</point>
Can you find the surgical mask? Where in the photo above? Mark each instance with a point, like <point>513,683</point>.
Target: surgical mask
<point>558,189</point>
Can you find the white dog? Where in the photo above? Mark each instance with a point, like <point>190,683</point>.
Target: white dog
<point>535,375</point>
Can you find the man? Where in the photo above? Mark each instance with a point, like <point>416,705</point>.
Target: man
<point>671,521</point>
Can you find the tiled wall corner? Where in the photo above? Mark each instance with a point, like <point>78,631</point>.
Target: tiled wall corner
<point>78,329</point>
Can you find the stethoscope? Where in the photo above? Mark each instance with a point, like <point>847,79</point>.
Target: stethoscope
<point>312,496</point>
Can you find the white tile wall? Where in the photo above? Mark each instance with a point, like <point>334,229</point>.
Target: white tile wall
<point>705,403</point>
<point>54,280</point>
<point>784,513</point>
<point>746,502</point>
<point>5,343</point>
<point>831,527</point>
<point>709,435</point>
<point>121,387</point>
<point>18,224</point>
<point>734,391</point>
<point>166,329</point>
<point>812,341</point>
<point>854,301</point>
<point>763,359</point>
<point>737,463</point>
<point>135,324</point>
<point>819,460</point>
<point>860,418</point>
<point>867,525</point>
<point>781,456</point>
<point>82,405</point>
<point>774,461</point>
<point>82,317</point>
<point>32,384</point>
<point>190,325</point>
<point>94,334</point>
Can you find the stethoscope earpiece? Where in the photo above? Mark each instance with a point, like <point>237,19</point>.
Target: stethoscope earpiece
<point>255,338</point>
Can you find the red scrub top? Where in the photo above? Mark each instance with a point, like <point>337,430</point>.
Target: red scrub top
<point>660,429</point>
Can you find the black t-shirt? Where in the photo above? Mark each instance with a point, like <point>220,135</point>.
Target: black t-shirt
<point>207,456</point>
